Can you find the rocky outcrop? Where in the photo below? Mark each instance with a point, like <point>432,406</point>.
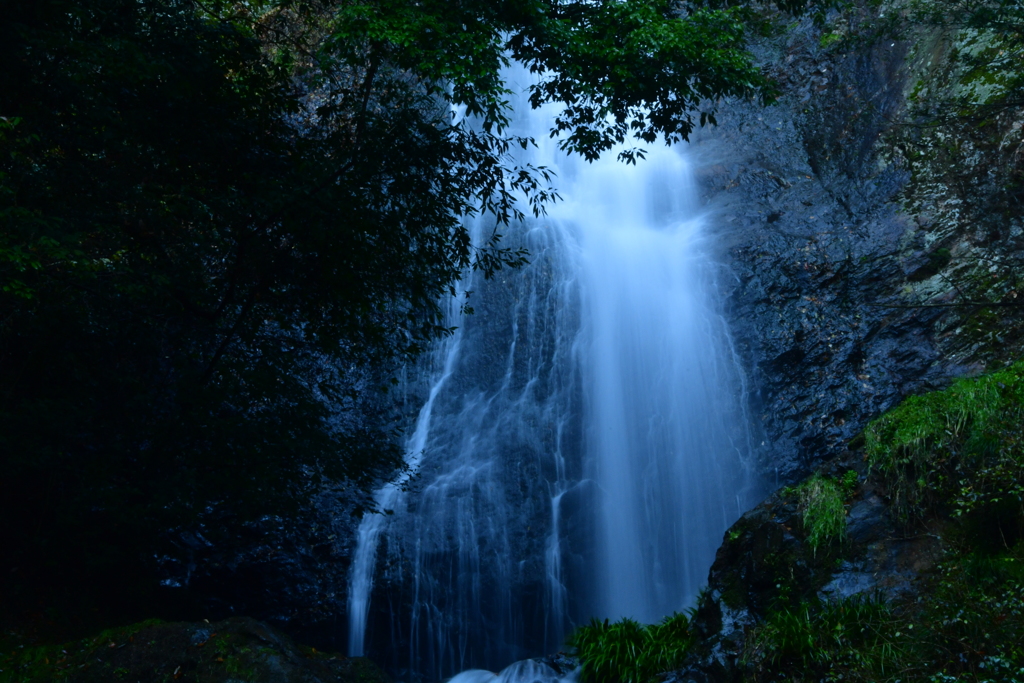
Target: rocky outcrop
<point>766,563</point>
<point>860,233</point>
<point>874,238</point>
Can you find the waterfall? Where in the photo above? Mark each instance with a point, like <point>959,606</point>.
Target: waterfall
<point>666,437</point>
<point>583,446</point>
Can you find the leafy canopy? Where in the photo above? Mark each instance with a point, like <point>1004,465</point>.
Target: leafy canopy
<point>621,67</point>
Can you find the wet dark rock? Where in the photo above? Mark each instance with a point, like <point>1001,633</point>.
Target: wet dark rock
<point>765,563</point>
<point>290,571</point>
<point>563,664</point>
<point>837,223</point>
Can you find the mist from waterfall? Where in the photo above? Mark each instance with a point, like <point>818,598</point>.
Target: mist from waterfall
<point>583,446</point>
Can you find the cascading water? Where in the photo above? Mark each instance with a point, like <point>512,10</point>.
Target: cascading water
<point>583,446</point>
<point>666,436</point>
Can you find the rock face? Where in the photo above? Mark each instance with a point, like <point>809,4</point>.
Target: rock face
<point>766,562</point>
<point>869,234</point>
<point>289,571</point>
<point>857,241</point>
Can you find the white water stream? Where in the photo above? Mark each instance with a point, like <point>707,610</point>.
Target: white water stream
<point>584,444</point>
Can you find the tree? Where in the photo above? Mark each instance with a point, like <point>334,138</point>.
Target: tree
<point>224,225</point>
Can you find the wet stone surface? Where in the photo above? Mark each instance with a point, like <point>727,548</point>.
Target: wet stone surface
<point>766,562</point>
<point>836,224</point>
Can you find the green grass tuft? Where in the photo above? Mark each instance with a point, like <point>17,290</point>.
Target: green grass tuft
<point>627,651</point>
<point>824,511</point>
<point>960,447</point>
<point>817,636</point>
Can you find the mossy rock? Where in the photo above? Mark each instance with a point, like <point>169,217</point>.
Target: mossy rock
<point>230,651</point>
<point>763,559</point>
<point>955,452</point>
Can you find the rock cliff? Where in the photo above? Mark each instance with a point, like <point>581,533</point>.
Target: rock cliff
<point>863,224</point>
<point>872,221</point>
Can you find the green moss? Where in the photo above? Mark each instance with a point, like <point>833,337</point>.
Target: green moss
<point>629,652</point>
<point>59,662</point>
<point>956,450</point>
<point>829,39</point>
<point>734,594</point>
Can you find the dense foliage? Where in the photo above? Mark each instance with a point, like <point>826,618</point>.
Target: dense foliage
<point>629,652</point>
<point>223,226</point>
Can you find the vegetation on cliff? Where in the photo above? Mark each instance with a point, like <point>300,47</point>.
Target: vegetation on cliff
<point>950,462</point>
<point>957,452</point>
<point>824,514</point>
<point>965,624</point>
